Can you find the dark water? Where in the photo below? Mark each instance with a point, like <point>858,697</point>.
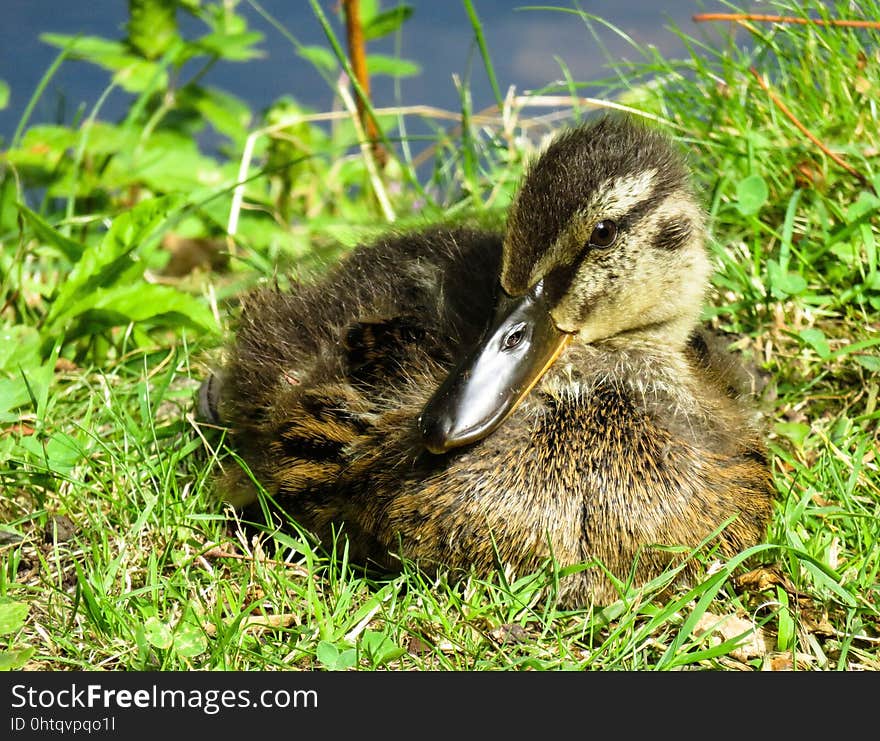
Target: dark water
<point>524,45</point>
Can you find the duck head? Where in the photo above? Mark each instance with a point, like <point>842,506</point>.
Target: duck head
<point>605,239</point>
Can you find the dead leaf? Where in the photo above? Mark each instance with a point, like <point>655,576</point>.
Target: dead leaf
<point>757,580</point>
<point>417,646</point>
<point>8,537</point>
<point>63,365</point>
<point>510,633</point>
<point>19,429</point>
<point>834,553</point>
<point>189,254</point>
<point>817,622</point>
<point>807,174</point>
<point>727,627</point>
<point>778,663</point>
<point>59,528</point>
<point>260,622</point>
<point>219,553</point>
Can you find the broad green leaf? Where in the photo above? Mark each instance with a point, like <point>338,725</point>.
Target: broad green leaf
<point>13,394</point>
<point>60,452</point>
<point>226,113</point>
<point>848,253</point>
<point>795,431</point>
<point>758,140</point>
<point>379,647</point>
<point>815,338</point>
<point>47,234</point>
<point>43,147</point>
<point>104,52</point>
<point>25,381</point>
<point>751,194</point>
<point>8,445</point>
<point>19,348</point>
<point>260,232</point>
<point>4,95</point>
<point>236,47</point>
<point>106,138</point>
<point>12,615</point>
<point>644,96</point>
<point>189,641</point>
<point>334,659</point>
<point>222,18</point>
<point>784,283</point>
<point>141,76</point>
<point>869,362</point>
<point>148,300</point>
<point>347,659</point>
<point>386,21</point>
<point>865,204</point>
<point>327,654</point>
<point>170,162</point>
<point>369,10</point>
<point>101,263</point>
<point>130,71</point>
<point>152,26</point>
<point>320,57</point>
<point>15,659</point>
<point>379,64</point>
<point>138,302</point>
<point>158,633</point>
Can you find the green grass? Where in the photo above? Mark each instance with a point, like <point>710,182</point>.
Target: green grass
<point>116,554</point>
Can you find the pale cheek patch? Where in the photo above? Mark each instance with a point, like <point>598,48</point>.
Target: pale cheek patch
<point>592,298</point>
<point>638,284</point>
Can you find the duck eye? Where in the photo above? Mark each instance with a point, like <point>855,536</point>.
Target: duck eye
<point>604,234</point>
<point>514,337</point>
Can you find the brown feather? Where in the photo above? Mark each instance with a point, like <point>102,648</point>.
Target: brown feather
<point>637,436</point>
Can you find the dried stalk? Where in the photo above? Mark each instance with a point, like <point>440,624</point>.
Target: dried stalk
<point>484,118</point>
<point>804,130</point>
<point>759,18</point>
<point>358,56</point>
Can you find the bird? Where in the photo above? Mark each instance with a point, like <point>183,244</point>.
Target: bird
<point>472,398</point>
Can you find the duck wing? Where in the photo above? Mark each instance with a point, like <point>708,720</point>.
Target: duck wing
<point>312,368</point>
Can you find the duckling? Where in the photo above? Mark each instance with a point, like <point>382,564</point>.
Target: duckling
<point>473,399</point>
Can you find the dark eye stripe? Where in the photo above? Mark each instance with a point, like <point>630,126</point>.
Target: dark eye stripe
<point>673,234</point>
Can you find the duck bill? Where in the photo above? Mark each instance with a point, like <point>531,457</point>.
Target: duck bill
<point>480,393</point>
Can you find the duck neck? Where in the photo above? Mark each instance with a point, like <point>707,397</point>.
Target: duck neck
<point>668,336</point>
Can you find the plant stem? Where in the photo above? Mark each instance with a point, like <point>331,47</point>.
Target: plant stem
<point>805,131</point>
<point>484,51</point>
<point>759,18</point>
<point>357,54</point>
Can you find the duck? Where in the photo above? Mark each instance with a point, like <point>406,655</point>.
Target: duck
<point>470,399</point>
